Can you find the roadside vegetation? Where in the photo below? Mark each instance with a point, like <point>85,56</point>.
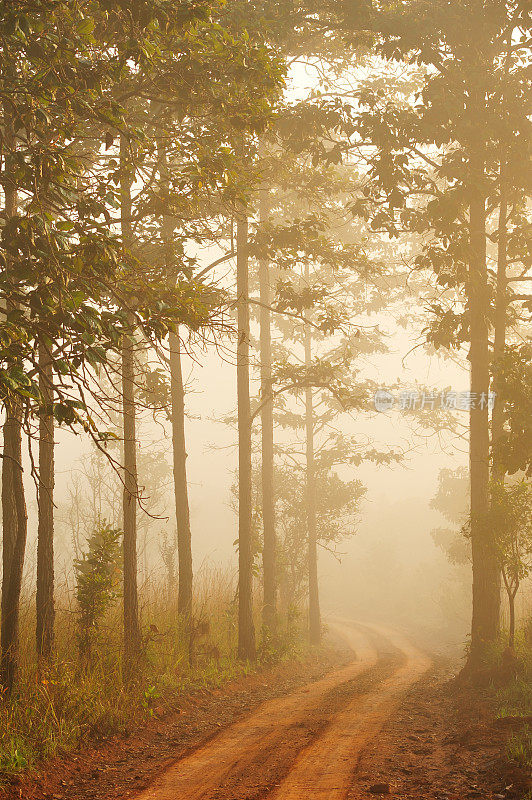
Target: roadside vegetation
<point>514,697</point>
<point>82,697</point>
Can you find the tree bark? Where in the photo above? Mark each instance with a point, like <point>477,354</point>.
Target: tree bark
<point>45,500</point>
<point>486,594</point>
<point>184,536</point>
<point>177,391</point>
<point>14,516</point>
<point>15,529</point>
<point>246,628</point>
<point>9,514</point>
<point>267,472</point>
<point>130,493</point>
<point>132,638</point>
<point>511,638</point>
<point>499,346</point>
<point>501,304</point>
<point>313,586</point>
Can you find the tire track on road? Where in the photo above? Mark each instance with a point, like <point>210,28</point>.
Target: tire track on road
<point>325,769</point>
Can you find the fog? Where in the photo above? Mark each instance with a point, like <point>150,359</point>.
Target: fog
<point>387,567</point>
<point>265,399</point>
<point>383,561</point>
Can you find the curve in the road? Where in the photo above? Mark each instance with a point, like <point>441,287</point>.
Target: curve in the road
<point>325,769</point>
<point>326,763</point>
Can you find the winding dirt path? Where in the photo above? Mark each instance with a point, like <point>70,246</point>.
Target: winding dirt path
<point>306,744</point>
<point>325,769</point>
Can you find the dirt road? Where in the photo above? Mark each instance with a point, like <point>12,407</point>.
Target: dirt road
<point>305,745</point>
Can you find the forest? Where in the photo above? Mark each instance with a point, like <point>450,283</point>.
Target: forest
<point>266,399</point>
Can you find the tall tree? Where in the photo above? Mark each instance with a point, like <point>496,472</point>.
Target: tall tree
<point>45,497</point>
<point>501,310</point>
<point>15,529</point>
<point>486,592</point>
<point>232,80</point>
<point>184,535</point>
<point>177,402</point>
<point>312,534</point>
<point>267,439</point>
<point>132,637</point>
<point>14,515</point>
<point>246,627</point>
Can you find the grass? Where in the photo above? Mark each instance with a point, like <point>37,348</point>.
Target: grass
<point>71,703</point>
<point>514,699</point>
<point>520,748</point>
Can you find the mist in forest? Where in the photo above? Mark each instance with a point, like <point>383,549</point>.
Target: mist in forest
<point>387,564</point>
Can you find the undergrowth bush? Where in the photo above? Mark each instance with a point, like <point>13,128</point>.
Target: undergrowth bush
<point>98,579</point>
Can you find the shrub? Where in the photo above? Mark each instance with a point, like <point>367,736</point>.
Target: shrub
<point>98,577</point>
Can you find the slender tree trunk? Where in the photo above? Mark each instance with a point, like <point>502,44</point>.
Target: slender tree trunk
<point>486,600</point>
<point>313,587</point>
<point>246,628</point>
<point>9,515</point>
<point>499,344</point>
<point>177,391</point>
<point>14,516</point>
<point>45,540</point>
<point>501,299</point>
<point>268,500</point>
<point>184,536</point>
<point>130,493</point>
<point>132,638</point>
<point>511,602</point>
<point>9,524</point>
<point>15,528</point>
<point>512,587</point>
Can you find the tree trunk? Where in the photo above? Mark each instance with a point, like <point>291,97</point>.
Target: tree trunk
<point>486,594</point>
<point>9,520</point>
<point>313,588</point>
<point>14,516</point>
<point>132,638</point>
<point>511,604</point>
<point>130,494</point>
<point>268,500</point>
<point>184,536</point>
<point>499,344</point>
<point>15,530</point>
<point>45,500</point>
<point>246,628</point>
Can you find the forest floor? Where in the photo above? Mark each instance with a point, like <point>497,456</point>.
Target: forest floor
<point>388,723</point>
